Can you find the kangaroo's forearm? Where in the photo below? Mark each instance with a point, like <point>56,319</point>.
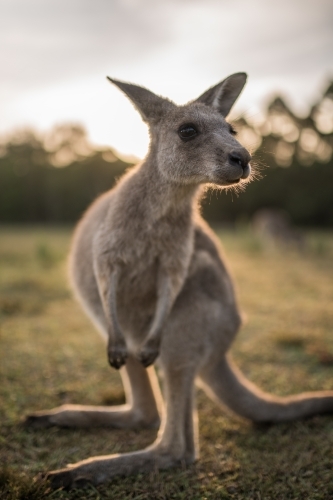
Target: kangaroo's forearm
<point>112,304</point>
<point>107,281</point>
<point>165,299</point>
<point>166,294</point>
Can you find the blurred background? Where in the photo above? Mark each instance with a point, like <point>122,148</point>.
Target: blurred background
<point>66,134</point>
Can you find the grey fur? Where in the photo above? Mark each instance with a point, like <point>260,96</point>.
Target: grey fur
<point>150,274</point>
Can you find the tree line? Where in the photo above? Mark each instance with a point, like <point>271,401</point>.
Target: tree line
<point>52,179</point>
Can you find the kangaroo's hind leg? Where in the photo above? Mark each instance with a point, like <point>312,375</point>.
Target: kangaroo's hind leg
<point>176,442</point>
<point>174,445</point>
<point>141,408</point>
<point>141,386</point>
<point>224,382</point>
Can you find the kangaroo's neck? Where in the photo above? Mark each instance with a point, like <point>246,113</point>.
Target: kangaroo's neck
<point>164,196</point>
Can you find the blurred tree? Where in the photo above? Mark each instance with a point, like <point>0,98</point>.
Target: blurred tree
<point>54,178</point>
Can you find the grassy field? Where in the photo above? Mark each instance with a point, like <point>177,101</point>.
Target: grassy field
<point>50,354</point>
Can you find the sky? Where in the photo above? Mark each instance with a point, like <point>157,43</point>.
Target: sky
<point>55,55</point>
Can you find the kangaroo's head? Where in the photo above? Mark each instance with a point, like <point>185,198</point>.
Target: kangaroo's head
<point>194,144</point>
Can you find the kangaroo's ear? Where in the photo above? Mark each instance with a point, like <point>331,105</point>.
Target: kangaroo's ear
<point>150,106</point>
<point>223,95</point>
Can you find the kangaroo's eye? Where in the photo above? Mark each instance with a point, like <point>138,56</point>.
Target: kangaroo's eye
<point>187,132</point>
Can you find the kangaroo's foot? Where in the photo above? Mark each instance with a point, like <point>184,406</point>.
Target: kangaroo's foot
<point>78,416</point>
<point>37,421</point>
<point>142,389</point>
<point>98,470</point>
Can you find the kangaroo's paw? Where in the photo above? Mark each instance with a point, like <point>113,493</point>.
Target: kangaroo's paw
<point>148,353</point>
<point>117,355</point>
<point>36,421</point>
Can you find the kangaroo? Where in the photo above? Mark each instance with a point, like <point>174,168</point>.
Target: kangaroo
<point>150,274</point>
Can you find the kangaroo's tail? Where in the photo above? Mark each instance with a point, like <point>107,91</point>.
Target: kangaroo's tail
<point>224,383</point>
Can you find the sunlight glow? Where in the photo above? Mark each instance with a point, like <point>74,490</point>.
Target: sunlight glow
<point>177,49</point>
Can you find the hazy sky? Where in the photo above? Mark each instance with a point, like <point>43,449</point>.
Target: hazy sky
<point>55,54</point>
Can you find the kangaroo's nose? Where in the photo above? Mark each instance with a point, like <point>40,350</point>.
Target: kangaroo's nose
<point>242,158</point>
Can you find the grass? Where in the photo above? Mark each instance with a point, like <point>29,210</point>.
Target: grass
<point>50,354</point>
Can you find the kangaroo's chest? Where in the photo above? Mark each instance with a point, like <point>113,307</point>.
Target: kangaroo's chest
<point>154,251</point>
<point>137,293</point>
<point>138,281</point>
